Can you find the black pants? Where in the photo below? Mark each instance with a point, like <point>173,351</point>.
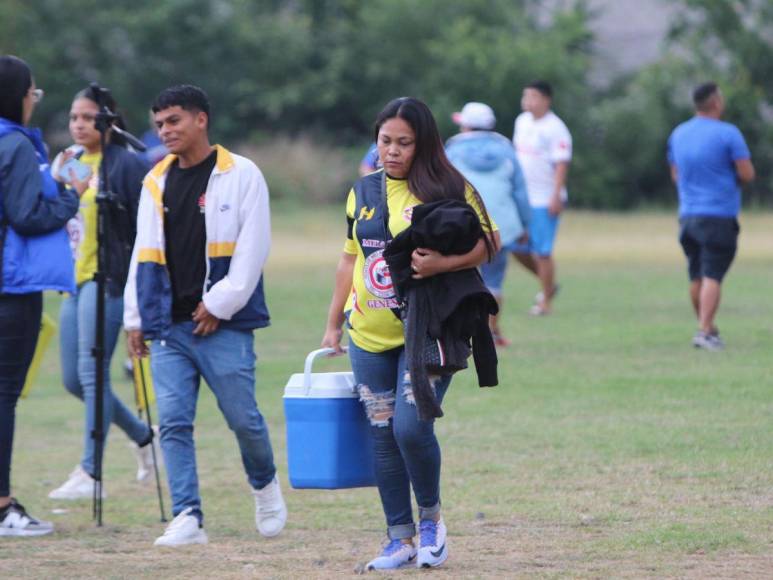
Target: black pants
<point>19,328</point>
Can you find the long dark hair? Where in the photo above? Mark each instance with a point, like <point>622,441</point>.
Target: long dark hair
<point>431,176</point>
<point>15,80</point>
<point>105,98</point>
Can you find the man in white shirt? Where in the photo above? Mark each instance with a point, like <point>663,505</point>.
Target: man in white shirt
<point>544,148</point>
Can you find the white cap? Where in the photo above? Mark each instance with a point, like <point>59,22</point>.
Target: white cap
<point>475,116</point>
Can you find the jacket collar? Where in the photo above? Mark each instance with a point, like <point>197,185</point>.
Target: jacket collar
<point>33,135</point>
<point>225,162</point>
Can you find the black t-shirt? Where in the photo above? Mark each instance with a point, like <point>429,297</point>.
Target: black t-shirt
<point>186,234</point>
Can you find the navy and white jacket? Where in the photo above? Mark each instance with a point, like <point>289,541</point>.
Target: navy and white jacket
<point>238,226</point>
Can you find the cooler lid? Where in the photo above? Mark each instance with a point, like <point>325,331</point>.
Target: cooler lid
<point>322,386</point>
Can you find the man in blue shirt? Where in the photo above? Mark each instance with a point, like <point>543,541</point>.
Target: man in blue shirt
<point>709,160</point>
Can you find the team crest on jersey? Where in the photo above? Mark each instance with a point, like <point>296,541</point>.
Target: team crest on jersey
<point>408,213</point>
<point>378,280</point>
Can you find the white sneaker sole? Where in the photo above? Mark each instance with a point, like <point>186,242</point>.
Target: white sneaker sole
<point>23,533</point>
<point>433,561</point>
<point>283,517</point>
<point>200,539</point>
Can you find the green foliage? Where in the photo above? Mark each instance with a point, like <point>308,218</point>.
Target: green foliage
<point>625,165</point>
<point>304,171</point>
<point>291,66</point>
<point>326,67</point>
<point>724,40</point>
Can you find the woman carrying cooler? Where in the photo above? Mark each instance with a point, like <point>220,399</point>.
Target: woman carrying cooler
<point>79,309</point>
<point>33,257</point>
<point>407,453</point>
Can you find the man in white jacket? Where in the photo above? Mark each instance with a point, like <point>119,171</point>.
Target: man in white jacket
<point>195,289</point>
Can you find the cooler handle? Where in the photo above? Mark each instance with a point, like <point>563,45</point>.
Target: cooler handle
<point>307,366</point>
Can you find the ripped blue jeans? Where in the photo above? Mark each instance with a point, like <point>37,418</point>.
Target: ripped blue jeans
<point>407,453</point>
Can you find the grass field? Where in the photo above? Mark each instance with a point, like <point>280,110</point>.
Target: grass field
<point>610,449</point>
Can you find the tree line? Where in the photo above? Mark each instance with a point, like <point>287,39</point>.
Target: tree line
<point>325,67</point>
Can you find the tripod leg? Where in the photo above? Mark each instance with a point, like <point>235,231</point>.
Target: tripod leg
<point>152,444</point>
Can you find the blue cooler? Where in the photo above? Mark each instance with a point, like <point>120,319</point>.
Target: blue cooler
<point>328,436</point>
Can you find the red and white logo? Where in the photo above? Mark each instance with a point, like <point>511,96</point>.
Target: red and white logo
<point>202,201</point>
<point>378,280</point>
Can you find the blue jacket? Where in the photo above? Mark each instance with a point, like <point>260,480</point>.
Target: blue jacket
<point>34,247</point>
<point>487,160</point>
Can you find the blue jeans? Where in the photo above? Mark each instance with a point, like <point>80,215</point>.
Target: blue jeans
<point>407,453</point>
<point>226,361</point>
<point>77,337</point>
<point>19,328</point>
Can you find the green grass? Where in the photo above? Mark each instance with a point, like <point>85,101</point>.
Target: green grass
<point>610,448</point>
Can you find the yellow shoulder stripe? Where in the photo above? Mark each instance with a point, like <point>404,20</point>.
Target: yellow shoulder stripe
<point>151,255</point>
<point>221,249</point>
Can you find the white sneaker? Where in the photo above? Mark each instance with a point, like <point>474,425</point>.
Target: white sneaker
<point>395,554</point>
<point>710,342</point>
<point>433,550</point>
<point>144,457</point>
<point>183,530</point>
<point>15,521</point>
<point>79,485</point>
<point>270,509</point>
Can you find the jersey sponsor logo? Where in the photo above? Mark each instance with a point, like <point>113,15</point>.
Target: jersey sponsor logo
<point>378,280</point>
<point>367,243</point>
<point>385,303</point>
<point>366,214</point>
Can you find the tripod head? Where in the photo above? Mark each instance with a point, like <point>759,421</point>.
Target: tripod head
<point>107,120</point>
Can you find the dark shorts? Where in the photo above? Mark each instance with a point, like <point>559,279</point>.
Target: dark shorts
<point>709,244</point>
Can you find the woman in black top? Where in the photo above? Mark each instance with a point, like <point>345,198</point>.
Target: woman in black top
<point>77,336</point>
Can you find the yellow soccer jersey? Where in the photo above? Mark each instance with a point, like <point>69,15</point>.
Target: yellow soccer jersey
<point>83,227</point>
<point>372,324</point>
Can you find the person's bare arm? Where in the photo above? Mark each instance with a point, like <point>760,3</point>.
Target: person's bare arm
<point>745,170</point>
<point>559,182</point>
<point>335,314</point>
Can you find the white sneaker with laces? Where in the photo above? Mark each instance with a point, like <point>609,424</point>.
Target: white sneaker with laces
<point>182,531</point>
<point>79,485</point>
<point>144,457</point>
<point>433,550</point>
<point>395,554</point>
<point>15,521</point>
<point>270,509</point>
